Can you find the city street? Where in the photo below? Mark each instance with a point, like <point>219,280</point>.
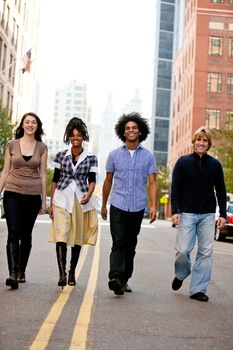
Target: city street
<point>40,315</point>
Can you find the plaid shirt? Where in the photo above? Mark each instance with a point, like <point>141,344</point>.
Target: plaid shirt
<point>87,163</point>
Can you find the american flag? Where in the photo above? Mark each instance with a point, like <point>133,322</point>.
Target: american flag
<point>26,60</point>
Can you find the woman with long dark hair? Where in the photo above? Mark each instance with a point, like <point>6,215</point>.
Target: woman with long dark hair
<point>24,182</point>
<point>73,214</point>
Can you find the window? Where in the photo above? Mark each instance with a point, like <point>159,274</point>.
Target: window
<point>215,46</point>
<point>212,118</point>
<point>229,120</point>
<point>230,84</point>
<point>163,103</point>
<point>231,46</point>
<point>165,45</point>
<point>4,58</point>
<point>78,88</point>
<point>167,17</point>
<point>76,102</point>
<point>164,74</point>
<point>216,1</point>
<point>10,66</point>
<point>1,46</point>
<point>7,19</point>
<point>13,32</point>
<point>214,82</point>
<point>3,13</point>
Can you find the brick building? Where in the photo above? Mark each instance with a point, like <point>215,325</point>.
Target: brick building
<point>202,91</point>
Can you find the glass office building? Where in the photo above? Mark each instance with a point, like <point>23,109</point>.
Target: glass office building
<point>162,79</point>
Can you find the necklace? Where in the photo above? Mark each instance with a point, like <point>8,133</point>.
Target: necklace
<point>77,154</point>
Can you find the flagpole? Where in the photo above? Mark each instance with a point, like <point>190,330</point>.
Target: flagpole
<point>4,70</point>
<point>7,81</point>
<point>8,67</point>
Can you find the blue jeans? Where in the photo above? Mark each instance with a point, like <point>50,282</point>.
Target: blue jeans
<point>192,227</point>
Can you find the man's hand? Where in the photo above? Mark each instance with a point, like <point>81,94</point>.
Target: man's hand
<point>152,215</point>
<point>176,219</point>
<point>221,223</point>
<point>104,213</point>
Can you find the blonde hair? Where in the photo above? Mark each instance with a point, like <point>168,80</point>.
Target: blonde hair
<point>201,132</point>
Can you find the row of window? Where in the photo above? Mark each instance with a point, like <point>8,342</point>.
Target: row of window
<point>221,1</point>
<point>214,83</point>
<point>9,24</point>
<point>216,120</point>
<point>216,46</point>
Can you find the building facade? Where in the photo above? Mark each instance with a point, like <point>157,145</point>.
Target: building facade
<point>69,102</point>
<point>19,23</point>
<point>202,91</point>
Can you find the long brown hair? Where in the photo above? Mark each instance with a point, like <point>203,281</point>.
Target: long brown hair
<point>39,131</point>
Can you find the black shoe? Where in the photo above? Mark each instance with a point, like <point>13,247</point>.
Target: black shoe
<point>116,286</point>
<point>126,288</point>
<point>71,279</point>
<point>176,283</point>
<point>12,281</point>
<point>21,277</point>
<point>199,296</point>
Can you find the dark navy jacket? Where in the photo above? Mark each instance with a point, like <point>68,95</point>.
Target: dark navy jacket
<point>195,181</point>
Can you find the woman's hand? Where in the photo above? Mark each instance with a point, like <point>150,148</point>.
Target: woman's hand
<point>51,211</point>
<point>42,209</point>
<point>85,199</point>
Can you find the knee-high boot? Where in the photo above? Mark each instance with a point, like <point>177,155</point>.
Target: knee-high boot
<point>24,252</point>
<point>75,251</point>
<point>61,250</point>
<point>12,250</point>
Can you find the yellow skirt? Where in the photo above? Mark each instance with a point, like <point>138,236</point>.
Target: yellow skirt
<point>77,228</point>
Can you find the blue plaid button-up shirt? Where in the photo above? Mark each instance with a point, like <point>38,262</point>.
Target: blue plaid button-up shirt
<point>130,177</point>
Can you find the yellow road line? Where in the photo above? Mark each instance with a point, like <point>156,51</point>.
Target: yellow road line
<point>79,338</point>
<point>45,332</point>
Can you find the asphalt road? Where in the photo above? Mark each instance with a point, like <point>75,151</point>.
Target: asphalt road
<point>40,315</point>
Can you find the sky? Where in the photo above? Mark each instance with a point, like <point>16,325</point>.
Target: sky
<point>108,44</point>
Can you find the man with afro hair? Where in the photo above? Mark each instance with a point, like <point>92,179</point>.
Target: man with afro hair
<point>128,169</point>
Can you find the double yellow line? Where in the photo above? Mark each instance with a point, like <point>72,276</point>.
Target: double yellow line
<point>79,337</point>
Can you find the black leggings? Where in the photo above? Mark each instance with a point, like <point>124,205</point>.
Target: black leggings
<point>21,212</point>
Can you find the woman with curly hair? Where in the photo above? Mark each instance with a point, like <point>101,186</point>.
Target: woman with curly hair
<point>72,209</point>
<point>24,181</point>
<point>130,166</point>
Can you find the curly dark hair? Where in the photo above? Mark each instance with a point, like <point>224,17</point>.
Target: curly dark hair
<point>39,131</point>
<point>75,123</point>
<point>142,123</point>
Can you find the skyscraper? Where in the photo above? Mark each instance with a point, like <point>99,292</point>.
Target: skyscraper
<point>162,79</point>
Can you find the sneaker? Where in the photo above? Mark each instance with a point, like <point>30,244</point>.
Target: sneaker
<point>199,296</point>
<point>115,285</point>
<point>176,283</point>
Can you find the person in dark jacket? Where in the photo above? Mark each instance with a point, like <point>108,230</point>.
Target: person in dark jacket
<point>197,180</point>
